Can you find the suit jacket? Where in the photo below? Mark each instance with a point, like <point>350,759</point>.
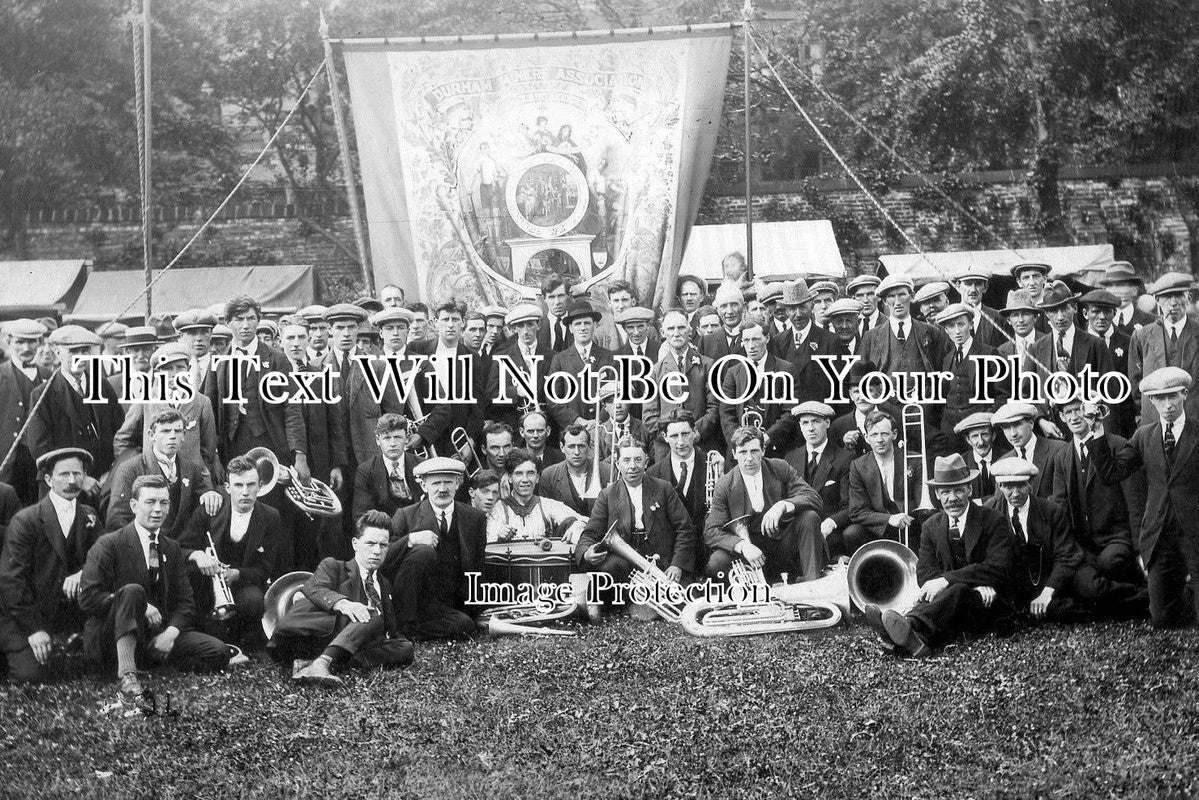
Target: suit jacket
<point>1138,320</point>
<point>193,479</point>
<point>200,440</point>
<point>571,362</point>
<point>282,424</point>
<point>1124,415</point>
<point>925,350</point>
<point>992,329</point>
<point>959,390</point>
<point>65,420</point>
<point>1148,352</point>
<point>1043,458</point>
<point>868,505</point>
<point>260,545</point>
<point>844,424</point>
<point>472,535</point>
<point>700,402</point>
<point>372,487</point>
<point>777,422</point>
<point>1098,513</point>
<point>34,561</point>
<point>513,360</point>
<point>811,383</point>
<point>831,479</point>
<point>669,533</point>
<point>359,411</point>
<point>555,484</point>
<point>731,499</point>
<point>984,485</point>
<point>469,416</point>
<point>334,581</point>
<point>543,336</point>
<point>715,345</point>
<point>116,560</point>
<point>1171,489</point>
<point>1050,552</point>
<point>990,553</point>
<point>324,426</point>
<point>1085,349</point>
<point>693,499</point>
<point>16,391</point>
<point>607,335</point>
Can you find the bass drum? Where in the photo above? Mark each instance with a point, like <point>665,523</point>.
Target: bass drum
<point>527,562</point>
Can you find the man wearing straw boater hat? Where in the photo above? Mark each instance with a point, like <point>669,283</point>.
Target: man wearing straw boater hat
<point>964,569</point>
<point>1171,341</point>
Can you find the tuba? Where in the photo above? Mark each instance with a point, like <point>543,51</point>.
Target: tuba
<point>645,573</point>
<point>315,498</point>
<point>223,607</point>
<point>279,597</point>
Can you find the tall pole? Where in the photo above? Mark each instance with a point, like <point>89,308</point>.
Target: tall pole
<point>747,12</point>
<point>147,179</point>
<point>347,171</point>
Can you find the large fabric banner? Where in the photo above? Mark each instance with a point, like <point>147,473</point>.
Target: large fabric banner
<point>489,164</point>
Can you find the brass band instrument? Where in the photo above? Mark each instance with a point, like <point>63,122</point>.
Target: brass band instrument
<point>645,573</point>
<point>279,597</point>
<point>462,441</point>
<point>524,620</point>
<point>315,498</point>
<point>752,417</point>
<point>424,451</point>
<point>913,419</point>
<point>712,469</point>
<point>223,607</point>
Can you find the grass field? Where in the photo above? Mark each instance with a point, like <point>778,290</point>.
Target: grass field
<point>642,710</point>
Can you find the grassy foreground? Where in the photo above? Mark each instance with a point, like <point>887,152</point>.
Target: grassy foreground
<point>643,710</point>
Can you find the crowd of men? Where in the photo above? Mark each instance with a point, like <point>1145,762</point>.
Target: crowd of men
<point>116,517</point>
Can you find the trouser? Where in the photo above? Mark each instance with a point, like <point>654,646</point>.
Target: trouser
<point>193,650</point>
<point>1062,608</point>
<point>244,627</point>
<point>423,608</point>
<point>1110,581</point>
<point>1172,602</point>
<point>799,551</point>
<point>846,541</point>
<point>22,664</point>
<point>306,632</point>
<point>958,609</point>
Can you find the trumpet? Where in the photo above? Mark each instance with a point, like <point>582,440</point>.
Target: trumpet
<point>223,607</point>
<point>913,420</point>
<point>711,475</point>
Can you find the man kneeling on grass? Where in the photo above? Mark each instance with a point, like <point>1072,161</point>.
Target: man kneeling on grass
<point>964,569</point>
<point>345,613</point>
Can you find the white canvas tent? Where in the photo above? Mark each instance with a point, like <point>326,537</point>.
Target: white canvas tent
<point>782,250</point>
<point>1084,263</point>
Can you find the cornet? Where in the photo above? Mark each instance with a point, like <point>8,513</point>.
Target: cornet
<point>223,607</point>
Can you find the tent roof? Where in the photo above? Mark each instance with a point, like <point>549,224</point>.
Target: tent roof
<point>37,287</point>
<point>278,289</point>
<point>1075,261</point>
<point>782,250</point>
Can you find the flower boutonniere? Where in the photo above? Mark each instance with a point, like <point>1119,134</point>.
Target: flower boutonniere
<point>655,507</point>
<point>186,481</point>
<point>1119,352</point>
<point>91,520</point>
<point>812,346</point>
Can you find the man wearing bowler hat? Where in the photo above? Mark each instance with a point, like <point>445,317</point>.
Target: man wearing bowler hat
<point>581,358</point>
<point>1065,348</point>
<point>964,569</point>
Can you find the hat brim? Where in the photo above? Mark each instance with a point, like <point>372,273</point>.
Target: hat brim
<point>594,316</point>
<point>971,474</point>
<point>1073,298</point>
<point>810,296</point>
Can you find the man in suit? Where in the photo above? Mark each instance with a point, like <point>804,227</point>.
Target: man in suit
<point>525,357</point>
<point>611,333</point>
<point>1065,348</point>
<point>1171,341</point>
<point>864,291</point>
<point>679,356</point>
<point>982,452</point>
<point>686,467</point>
<point>987,326</point>
<point>41,566</point>
<point>1024,318</point>
<point>738,380</point>
<point>386,482</point>
<point>1167,451</point>
<point>345,612</point>
<point>200,440</point>
<point>843,319</point>
<point>1099,309</point>
<point>247,537</point>
<point>802,341</point>
<point>1122,280</point>
<point>63,419</point>
<point>1031,278</point>
<point>826,293</point>
<point>18,377</point>
<point>189,482</point>
<point>962,364</point>
<point>876,489</point>
<point>964,569</point>
<point>730,305</point>
<point>849,427</point>
<point>458,375</point>
<point>636,323</point>
<point>1046,556</point>
<point>824,466</point>
<point>195,328</point>
<point>648,515</point>
<point>1108,575</point>
<point>931,299</point>
<point>587,361</point>
<point>318,332</point>
<point>903,344</point>
<point>692,294</point>
<point>138,346</point>
<point>554,332</point>
<point>534,435</point>
<point>784,529</point>
<point>138,599</point>
<point>1018,422</point>
<point>432,420</point>
<point>279,427</point>
<point>574,481</point>
<point>434,544</point>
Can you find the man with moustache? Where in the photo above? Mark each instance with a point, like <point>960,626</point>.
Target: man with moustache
<point>987,326</point>
<point>18,378</point>
<point>802,342</point>
<point>730,305</point>
<point>1170,341</point>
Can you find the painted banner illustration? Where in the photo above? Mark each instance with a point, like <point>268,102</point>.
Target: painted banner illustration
<point>490,163</point>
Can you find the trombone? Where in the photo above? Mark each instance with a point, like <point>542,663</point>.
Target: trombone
<point>913,418</point>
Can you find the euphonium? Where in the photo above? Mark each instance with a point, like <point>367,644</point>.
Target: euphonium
<point>279,597</point>
<point>223,607</point>
<point>711,476</point>
<point>523,620</point>
<point>645,573</point>
<point>315,498</point>
<point>791,608</point>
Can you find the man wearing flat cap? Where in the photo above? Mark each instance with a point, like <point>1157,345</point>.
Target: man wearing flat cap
<point>1171,341</point>
<point>983,449</point>
<point>826,292</point>
<point>584,359</point>
<point>802,341</point>
<point>64,419</point>
<point>622,296</point>
<point>988,325</point>
<point>931,299</point>
<point>1019,421</point>
<point>863,290</point>
<point>964,569</point>
<point>1031,277</point>
<point>41,564</point>
<point>195,328</point>
<point>1098,309</point>
<point>1123,281</point>
<point>1168,451</point>
<point>730,306</point>
<point>903,344</point>
<point>1046,555</point>
<point>824,465</point>
<point>842,321</point>
<point>434,543</point>
<point>18,377</point>
<point>526,356</point>
<point>636,323</point>
<point>957,320</point>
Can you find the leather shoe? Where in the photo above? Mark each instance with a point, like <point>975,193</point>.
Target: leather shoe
<point>874,618</point>
<point>317,672</point>
<point>899,629</point>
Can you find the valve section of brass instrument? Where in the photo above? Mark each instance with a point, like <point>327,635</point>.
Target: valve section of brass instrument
<point>713,469</point>
<point>314,497</point>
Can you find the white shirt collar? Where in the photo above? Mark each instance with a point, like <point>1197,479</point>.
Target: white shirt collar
<point>802,335</point>
<point>907,326</point>
<point>960,522</point>
<point>1176,427</point>
<point>448,511</point>
<point>818,451</point>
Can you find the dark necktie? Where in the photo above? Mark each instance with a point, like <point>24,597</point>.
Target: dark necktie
<point>1062,358</point>
<point>683,478</point>
<point>955,533</point>
<point>560,334</point>
<point>901,336</point>
<point>1083,462</point>
<point>1016,526</point>
<point>154,561</point>
<point>1172,350</point>
<point>636,350</point>
<point>442,527</point>
<point>983,471</point>
<point>810,470</point>
<point>1023,452</point>
<point>372,594</point>
<point>1168,442</point>
<point>399,486</point>
<point>957,357</point>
